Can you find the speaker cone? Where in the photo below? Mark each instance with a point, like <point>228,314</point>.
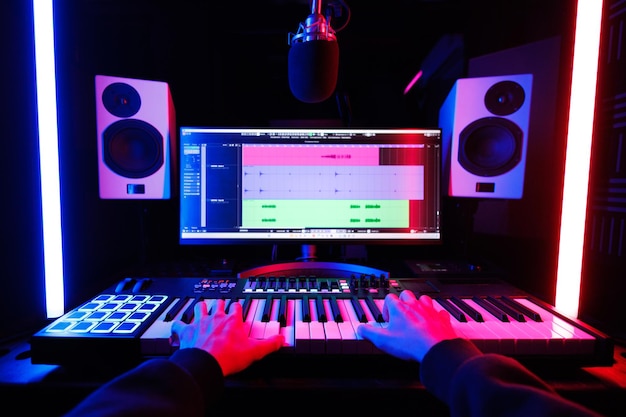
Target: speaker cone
<point>133,148</point>
<point>490,146</point>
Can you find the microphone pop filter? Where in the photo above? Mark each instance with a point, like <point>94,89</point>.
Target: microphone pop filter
<point>313,67</point>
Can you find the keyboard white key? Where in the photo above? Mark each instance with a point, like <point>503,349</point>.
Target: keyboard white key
<point>347,331</point>
<point>364,346</point>
<point>316,330</point>
<point>156,340</point>
<point>334,341</point>
<point>302,333</point>
<point>288,330</point>
<point>257,329</point>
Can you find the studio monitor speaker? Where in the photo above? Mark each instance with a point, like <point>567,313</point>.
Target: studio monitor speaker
<point>136,128</point>
<point>484,124</point>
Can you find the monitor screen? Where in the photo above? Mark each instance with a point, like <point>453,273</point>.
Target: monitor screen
<point>309,186</point>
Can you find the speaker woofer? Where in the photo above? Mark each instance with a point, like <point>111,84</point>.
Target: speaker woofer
<point>132,148</point>
<point>490,146</point>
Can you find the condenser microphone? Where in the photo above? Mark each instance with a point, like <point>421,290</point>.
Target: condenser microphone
<point>313,58</point>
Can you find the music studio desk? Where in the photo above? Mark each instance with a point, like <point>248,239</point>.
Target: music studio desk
<point>31,379</point>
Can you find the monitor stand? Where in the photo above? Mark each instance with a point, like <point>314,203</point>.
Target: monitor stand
<point>308,265</point>
<point>309,253</point>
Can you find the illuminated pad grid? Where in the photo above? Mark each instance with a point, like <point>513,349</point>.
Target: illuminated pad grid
<point>108,313</point>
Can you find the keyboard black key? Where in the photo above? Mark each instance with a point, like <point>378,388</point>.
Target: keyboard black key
<point>508,310</point>
<point>378,315</point>
<point>245,308</point>
<point>282,308</point>
<point>499,314</point>
<point>335,310</point>
<point>173,312</point>
<point>306,311</point>
<point>356,305</point>
<point>229,303</point>
<point>452,309</point>
<point>469,310</point>
<point>188,314</point>
<point>267,310</point>
<point>533,315</point>
<point>321,312</point>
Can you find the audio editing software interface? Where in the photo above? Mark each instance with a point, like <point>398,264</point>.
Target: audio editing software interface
<point>351,185</point>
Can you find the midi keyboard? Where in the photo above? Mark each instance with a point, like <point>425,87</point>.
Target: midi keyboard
<point>131,321</point>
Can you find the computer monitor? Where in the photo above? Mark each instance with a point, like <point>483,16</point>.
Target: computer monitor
<point>310,186</point>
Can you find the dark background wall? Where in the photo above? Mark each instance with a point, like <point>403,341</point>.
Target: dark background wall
<point>226,64</point>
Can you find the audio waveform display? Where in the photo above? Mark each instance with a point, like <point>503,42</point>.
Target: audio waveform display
<point>387,182</point>
<point>289,214</point>
<point>302,155</point>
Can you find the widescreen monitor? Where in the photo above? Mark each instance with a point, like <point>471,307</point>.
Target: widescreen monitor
<point>310,186</point>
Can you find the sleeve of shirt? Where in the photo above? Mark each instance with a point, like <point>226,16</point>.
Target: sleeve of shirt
<point>187,383</point>
<point>477,384</point>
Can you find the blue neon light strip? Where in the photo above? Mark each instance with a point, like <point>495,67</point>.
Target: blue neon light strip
<point>49,157</point>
